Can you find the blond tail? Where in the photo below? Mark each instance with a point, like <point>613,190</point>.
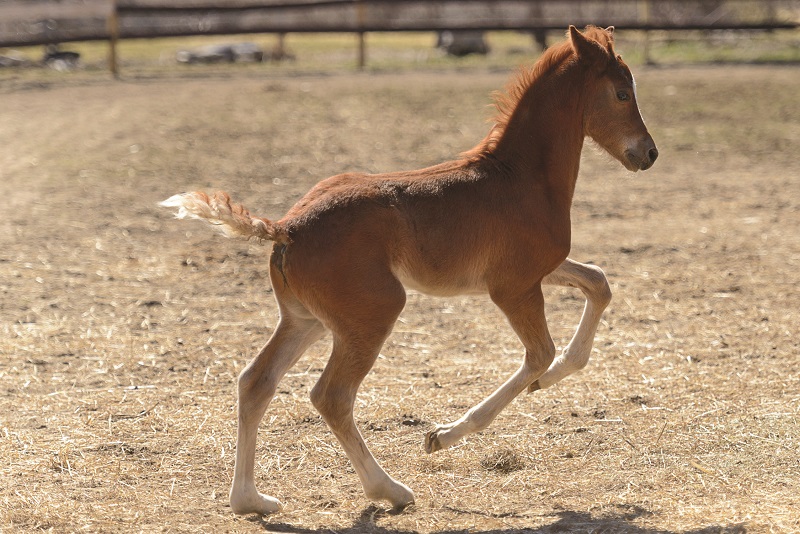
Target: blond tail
<point>234,220</point>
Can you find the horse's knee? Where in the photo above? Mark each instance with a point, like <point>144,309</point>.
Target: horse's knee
<point>538,360</point>
<point>598,289</point>
<point>577,361</point>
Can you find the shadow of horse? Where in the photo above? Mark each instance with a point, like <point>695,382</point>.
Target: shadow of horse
<point>566,521</point>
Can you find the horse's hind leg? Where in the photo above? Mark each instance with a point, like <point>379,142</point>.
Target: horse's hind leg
<point>356,345</point>
<point>593,283</point>
<point>526,315</point>
<point>334,397</point>
<point>257,384</point>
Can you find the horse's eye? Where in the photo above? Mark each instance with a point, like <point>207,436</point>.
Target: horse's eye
<point>622,96</point>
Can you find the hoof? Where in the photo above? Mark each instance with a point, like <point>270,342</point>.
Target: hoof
<point>399,509</point>
<point>255,504</point>
<point>432,443</point>
<point>402,504</point>
<point>398,494</point>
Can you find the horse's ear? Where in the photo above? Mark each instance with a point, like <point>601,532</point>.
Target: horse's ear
<point>574,34</point>
<point>610,46</point>
<point>588,50</point>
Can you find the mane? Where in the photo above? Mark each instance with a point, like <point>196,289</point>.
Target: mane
<point>507,100</point>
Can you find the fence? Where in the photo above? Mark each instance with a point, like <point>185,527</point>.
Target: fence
<point>36,22</point>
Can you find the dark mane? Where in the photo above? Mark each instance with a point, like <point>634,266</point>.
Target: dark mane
<point>506,101</point>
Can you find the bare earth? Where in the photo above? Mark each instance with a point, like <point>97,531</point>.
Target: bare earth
<point>122,330</point>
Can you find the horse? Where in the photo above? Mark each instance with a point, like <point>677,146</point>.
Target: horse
<point>496,221</point>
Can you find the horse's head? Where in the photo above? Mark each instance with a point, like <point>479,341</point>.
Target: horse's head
<point>612,118</point>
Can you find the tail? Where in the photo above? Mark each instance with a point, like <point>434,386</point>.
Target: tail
<point>233,219</point>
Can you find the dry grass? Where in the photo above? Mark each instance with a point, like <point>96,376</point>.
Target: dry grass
<point>123,331</point>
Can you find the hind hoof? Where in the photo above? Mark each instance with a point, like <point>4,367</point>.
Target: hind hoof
<point>392,491</point>
<point>256,503</point>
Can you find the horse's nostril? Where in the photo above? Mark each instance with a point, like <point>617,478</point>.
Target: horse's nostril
<point>653,153</point>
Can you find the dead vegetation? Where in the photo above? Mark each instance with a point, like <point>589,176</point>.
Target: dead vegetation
<point>123,331</point>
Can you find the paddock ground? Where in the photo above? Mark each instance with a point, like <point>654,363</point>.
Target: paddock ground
<point>122,330</point>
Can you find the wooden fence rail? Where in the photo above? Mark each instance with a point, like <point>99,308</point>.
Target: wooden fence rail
<point>36,22</point>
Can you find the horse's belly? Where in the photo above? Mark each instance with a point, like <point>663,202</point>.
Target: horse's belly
<point>441,284</point>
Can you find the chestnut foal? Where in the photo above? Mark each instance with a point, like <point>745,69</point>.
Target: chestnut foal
<point>496,221</point>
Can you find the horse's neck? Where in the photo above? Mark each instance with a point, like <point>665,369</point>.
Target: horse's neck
<point>543,140</point>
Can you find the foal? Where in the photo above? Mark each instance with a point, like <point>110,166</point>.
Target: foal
<point>496,221</point>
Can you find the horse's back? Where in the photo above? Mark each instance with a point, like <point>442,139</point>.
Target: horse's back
<point>420,226</point>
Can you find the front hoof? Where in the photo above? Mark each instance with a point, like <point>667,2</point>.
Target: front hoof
<point>432,443</point>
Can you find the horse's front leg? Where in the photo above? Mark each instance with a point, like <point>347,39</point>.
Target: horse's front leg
<point>526,315</point>
<point>591,280</point>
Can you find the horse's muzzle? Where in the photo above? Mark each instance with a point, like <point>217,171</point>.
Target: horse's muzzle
<point>641,160</point>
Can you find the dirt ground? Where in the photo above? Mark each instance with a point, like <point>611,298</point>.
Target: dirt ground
<point>122,330</point>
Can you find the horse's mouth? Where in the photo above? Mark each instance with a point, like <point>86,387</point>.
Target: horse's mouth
<point>634,162</point>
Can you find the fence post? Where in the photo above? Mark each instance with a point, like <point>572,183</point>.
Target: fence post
<point>113,37</point>
<point>279,52</point>
<point>644,15</point>
<point>361,14</point>
<point>362,50</point>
